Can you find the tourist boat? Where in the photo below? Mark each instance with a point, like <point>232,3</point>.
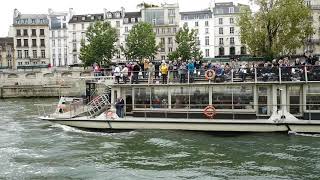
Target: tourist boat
<point>255,105</point>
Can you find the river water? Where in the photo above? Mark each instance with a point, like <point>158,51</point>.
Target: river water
<point>35,149</point>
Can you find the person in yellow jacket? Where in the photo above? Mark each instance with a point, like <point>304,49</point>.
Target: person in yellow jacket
<point>164,72</point>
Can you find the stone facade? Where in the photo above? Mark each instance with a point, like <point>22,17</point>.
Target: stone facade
<point>226,32</point>
<point>58,36</point>
<point>31,39</point>
<point>203,23</point>
<point>165,20</point>
<point>7,58</point>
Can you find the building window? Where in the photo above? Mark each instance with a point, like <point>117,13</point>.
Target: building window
<point>163,57</point>
<point>231,21</point>
<point>174,30</point>
<point>42,43</point>
<point>243,50</point>
<point>59,33</point>
<point>19,54</point>
<point>34,53</point>
<point>221,51</point>
<point>82,26</point>
<point>19,63</point>
<point>74,47</point>
<point>25,32</point>
<point>126,29</point>
<point>232,40</point>
<point>220,20</point>
<point>231,30</point>
<point>171,12</point>
<point>206,30</point>
<point>196,23</point>
<point>26,54</point>
<point>170,49</point>
<point>171,20</point>
<point>74,37</point>
<point>207,40</point>
<point>59,42</point>
<point>75,59</point>
<point>74,27</point>
<point>163,30</point>
<point>221,41</point>
<point>220,30</point>
<point>198,40</point>
<point>41,32</point>
<point>169,30</point>
<point>170,40</point>
<point>18,32</point>
<point>53,42</point>
<point>232,51</point>
<point>43,53</point>
<point>18,42</point>
<point>207,53</point>
<point>33,32</point>
<point>231,10</point>
<point>25,43</point>
<point>206,23</point>
<point>118,24</point>
<point>34,43</point>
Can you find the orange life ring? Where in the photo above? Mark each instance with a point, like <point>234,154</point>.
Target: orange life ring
<point>209,111</point>
<point>210,74</point>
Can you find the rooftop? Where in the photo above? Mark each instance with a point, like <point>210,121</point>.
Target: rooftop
<point>86,18</point>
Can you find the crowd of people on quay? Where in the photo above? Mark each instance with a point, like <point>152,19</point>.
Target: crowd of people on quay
<point>182,72</point>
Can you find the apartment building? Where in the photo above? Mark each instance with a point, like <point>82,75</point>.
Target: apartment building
<point>7,58</point>
<point>31,39</point>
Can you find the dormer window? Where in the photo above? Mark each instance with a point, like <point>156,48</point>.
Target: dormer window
<point>109,15</point>
<point>118,15</point>
<point>133,20</point>
<point>126,20</point>
<point>75,18</point>
<point>17,21</point>
<point>83,18</point>
<point>41,21</point>
<point>33,21</point>
<point>92,17</point>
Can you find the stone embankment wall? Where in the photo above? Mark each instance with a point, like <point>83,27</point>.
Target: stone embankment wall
<point>51,82</point>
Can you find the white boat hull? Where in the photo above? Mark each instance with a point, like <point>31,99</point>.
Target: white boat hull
<point>191,125</point>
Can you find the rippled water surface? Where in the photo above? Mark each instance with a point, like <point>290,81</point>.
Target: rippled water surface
<point>35,149</point>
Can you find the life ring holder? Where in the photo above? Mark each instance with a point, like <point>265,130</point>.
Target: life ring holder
<point>209,111</point>
<point>210,74</point>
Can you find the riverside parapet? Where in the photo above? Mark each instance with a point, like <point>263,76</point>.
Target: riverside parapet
<point>43,82</point>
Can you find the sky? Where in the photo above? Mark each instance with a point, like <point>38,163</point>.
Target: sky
<point>88,6</point>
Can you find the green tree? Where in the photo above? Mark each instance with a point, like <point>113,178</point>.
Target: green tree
<point>187,45</point>
<point>279,27</point>
<point>141,42</point>
<point>100,46</point>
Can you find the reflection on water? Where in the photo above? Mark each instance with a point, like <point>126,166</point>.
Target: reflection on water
<point>31,149</point>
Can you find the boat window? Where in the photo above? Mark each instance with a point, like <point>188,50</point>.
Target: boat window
<point>222,97</point>
<point>294,100</point>
<point>232,97</point>
<point>313,97</point>
<point>199,97</point>
<point>142,98</point>
<point>180,98</point>
<point>263,100</point>
<point>159,98</point>
<point>243,97</point>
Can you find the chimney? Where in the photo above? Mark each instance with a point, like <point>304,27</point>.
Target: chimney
<point>122,12</point>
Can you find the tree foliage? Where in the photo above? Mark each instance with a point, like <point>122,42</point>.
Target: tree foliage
<point>100,46</point>
<point>279,27</point>
<point>187,45</point>
<point>141,42</point>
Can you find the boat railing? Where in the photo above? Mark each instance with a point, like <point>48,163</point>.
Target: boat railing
<point>222,109</point>
<point>267,74</point>
<point>71,110</point>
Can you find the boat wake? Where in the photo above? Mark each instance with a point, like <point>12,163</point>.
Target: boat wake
<point>303,134</point>
<point>95,133</point>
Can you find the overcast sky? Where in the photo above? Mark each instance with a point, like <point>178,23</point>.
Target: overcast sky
<point>88,6</point>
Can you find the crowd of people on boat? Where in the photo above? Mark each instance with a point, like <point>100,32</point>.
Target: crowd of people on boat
<point>234,70</point>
